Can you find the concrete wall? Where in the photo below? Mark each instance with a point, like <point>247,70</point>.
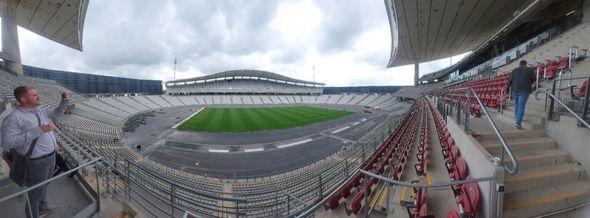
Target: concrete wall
<point>574,139</point>
<point>480,165</point>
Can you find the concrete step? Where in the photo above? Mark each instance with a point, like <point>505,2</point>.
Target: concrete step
<point>540,158</point>
<point>506,118</point>
<point>543,177</point>
<point>531,116</point>
<point>525,144</point>
<point>528,110</point>
<point>539,201</point>
<point>484,137</point>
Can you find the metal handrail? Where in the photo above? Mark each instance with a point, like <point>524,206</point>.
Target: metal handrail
<point>505,146</point>
<point>49,180</point>
<point>320,203</point>
<point>568,109</point>
<point>432,185</point>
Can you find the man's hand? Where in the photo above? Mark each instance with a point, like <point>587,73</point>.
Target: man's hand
<point>46,128</point>
<point>65,97</point>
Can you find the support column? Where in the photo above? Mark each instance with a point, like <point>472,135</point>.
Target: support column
<point>416,71</point>
<point>10,46</point>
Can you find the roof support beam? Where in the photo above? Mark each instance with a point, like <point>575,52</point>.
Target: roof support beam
<point>416,73</point>
<point>10,45</point>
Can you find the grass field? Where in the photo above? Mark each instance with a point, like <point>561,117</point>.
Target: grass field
<point>258,119</point>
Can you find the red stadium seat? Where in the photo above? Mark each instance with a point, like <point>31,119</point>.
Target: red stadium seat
<point>356,204</point>
<point>583,88</point>
<point>453,214</point>
<point>333,202</point>
<point>469,199</point>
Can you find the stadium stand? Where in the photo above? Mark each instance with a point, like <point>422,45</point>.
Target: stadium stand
<point>543,154</point>
<point>243,82</point>
<point>413,136</point>
<point>96,123</point>
<point>84,83</point>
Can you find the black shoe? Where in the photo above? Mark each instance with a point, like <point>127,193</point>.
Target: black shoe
<point>518,126</point>
<point>73,173</point>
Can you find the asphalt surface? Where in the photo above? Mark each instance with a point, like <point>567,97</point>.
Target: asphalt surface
<point>224,155</point>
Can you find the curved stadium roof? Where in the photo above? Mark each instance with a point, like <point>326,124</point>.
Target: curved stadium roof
<point>422,31</point>
<point>60,21</point>
<point>247,73</point>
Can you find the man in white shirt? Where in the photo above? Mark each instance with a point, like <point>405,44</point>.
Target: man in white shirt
<point>20,129</point>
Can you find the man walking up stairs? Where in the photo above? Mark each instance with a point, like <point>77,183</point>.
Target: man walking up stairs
<point>520,81</point>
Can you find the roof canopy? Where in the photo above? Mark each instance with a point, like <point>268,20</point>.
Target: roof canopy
<point>423,31</point>
<point>61,21</point>
<point>247,73</point>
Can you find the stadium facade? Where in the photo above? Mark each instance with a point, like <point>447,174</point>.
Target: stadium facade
<point>361,89</point>
<point>85,83</point>
<point>243,82</point>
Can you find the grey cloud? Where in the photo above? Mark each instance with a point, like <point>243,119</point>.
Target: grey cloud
<point>344,21</point>
<point>140,39</point>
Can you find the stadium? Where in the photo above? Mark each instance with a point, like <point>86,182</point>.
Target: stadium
<point>254,143</point>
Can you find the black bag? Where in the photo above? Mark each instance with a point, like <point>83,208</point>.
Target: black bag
<point>19,169</point>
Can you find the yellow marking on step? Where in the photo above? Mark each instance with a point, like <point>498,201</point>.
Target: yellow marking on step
<point>383,196</point>
<point>403,198</point>
<point>374,198</point>
<point>427,178</point>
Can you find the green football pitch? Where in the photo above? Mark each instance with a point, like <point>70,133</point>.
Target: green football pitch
<point>258,119</point>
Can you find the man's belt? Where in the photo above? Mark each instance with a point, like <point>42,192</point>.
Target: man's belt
<point>43,156</point>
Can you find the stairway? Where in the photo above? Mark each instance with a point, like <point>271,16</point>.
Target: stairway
<point>548,179</point>
<point>534,116</point>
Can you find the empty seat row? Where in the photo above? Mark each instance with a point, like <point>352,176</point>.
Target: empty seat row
<point>467,195</point>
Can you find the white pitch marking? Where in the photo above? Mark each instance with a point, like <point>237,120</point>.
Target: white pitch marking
<point>253,149</point>
<point>340,130</point>
<point>185,119</point>
<point>218,150</point>
<point>355,123</point>
<point>294,143</point>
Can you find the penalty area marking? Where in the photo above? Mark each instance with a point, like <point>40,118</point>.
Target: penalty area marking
<point>191,116</point>
<point>294,143</point>
<point>340,130</point>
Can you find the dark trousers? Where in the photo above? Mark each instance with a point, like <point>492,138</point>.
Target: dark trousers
<point>39,171</point>
<point>61,165</point>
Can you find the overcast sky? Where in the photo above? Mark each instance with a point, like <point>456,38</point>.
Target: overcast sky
<point>348,41</point>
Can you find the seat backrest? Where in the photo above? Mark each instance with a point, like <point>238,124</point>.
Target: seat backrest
<point>461,167</point>
<point>450,142</point>
<point>583,88</point>
<point>472,191</point>
<point>423,211</point>
<point>455,152</point>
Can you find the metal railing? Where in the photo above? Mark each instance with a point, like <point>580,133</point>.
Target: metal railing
<point>580,119</point>
<point>472,94</point>
<point>161,196</point>
<point>393,183</point>
<point>555,96</point>
<point>25,192</point>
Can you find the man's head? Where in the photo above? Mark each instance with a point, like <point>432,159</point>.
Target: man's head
<point>523,63</point>
<point>27,96</point>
